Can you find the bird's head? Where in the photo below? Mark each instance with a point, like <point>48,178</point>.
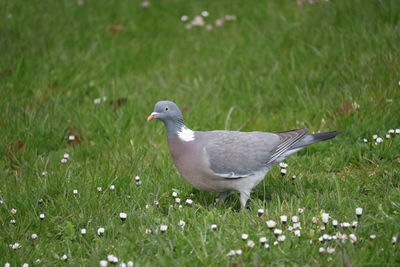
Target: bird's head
<point>166,111</point>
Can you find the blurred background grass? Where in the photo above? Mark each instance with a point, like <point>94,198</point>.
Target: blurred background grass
<point>279,66</point>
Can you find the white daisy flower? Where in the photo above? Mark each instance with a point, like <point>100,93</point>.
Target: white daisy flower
<point>354,224</point>
<point>63,160</point>
<point>231,253</point>
<point>379,140</point>
<point>12,221</point>
<point>276,243</point>
<point>15,246</point>
<point>372,236</point>
<point>359,211</point>
<point>75,191</point>
<point>177,200</point>
<point>83,231</point>
<point>64,257</point>
<point>181,223</point>
<point>277,231</point>
<point>271,224</point>
<point>148,231</point>
<point>71,137</point>
<point>123,216</point>
<point>330,250</point>
<point>99,189</point>
<point>103,263</point>
<point>325,218</point>
<point>335,223</point>
<point>266,246</point>
<point>251,243</point>
<point>322,250</point>
<point>365,140</point>
<point>297,233</point>
<point>238,252</point>
<point>300,210</point>
<point>34,236</point>
<point>283,172</point>
<point>394,240</point>
<point>297,225</point>
<point>260,212</point>
<point>112,187</point>
<point>184,18</point>
<point>130,264</point>
<point>163,228</point>
<point>283,219</point>
<point>198,21</point>
<point>397,131</point>
<point>174,194</point>
<point>245,236</point>
<point>137,178</point>
<point>387,136</point>
<point>314,220</point>
<point>353,238</point>
<point>295,219</point>
<point>42,216</point>
<point>204,13</point>
<point>263,240</point>
<point>189,201</point>
<point>345,224</point>
<point>375,136</point>
<point>66,156</point>
<point>112,259</point>
<point>213,227</point>
<point>281,238</point>
<point>283,165</point>
<point>100,231</point>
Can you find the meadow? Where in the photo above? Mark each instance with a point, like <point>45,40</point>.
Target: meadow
<point>79,78</point>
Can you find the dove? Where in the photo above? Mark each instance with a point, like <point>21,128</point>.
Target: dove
<point>224,162</point>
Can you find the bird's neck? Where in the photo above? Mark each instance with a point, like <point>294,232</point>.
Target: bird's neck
<point>178,128</point>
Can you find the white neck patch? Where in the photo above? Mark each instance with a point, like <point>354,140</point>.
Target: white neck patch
<point>185,134</point>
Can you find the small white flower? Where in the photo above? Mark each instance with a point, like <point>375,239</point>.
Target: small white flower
<point>283,219</point>
<point>112,187</point>
<point>99,189</point>
<point>387,136</point>
<point>174,194</point>
<point>97,100</point>
<point>391,131</point>
<point>283,171</point>
<point>335,223</point>
<point>63,160</point>
<point>148,231</point>
<point>100,231</point>
<point>180,206</point>
<point>345,224</point>
<point>283,165</point>
<point>238,252</point>
<point>7,264</point>
<point>375,136</point>
<point>266,246</point>
<point>204,13</point>
<point>294,177</point>
<point>263,240</point>
<point>397,131</point>
<point>326,237</point>
<point>271,224</point>
<point>130,264</point>
<point>123,216</point>
<point>177,200</point>
<point>155,202</point>
<point>322,250</point>
<point>213,227</point>
<point>12,221</point>
<point>230,17</point>
<point>314,220</point>
<point>379,140</point>
<point>325,218</point>
<point>15,246</point>
<point>44,173</point>
<point>322,227</point>
<point>83,231</point>
<point>365,140</point>
<point>295,219</point>
<point>34,236</point>
<point>163,228</point>
<point>198,21</point>
<point>277,231</point>
<point>137,178</point>
<point>276,243</point>
<point>355,105</point>
<point>147,206</point>
<point>260,212</point>
<point>300,210</point>
<point>103,263</point>
<point>189,201</point>
<point>372,236</point>
<point>145,4</point>
<point>359,211</point>
<point>209,27</point>
<point>75,191</point>
<point>184,18</point>
<point>297,225</point>
<point>138,182</point>
<point>245,236</point>
<point>231,253</point>
<point>219,22</point>
<point>181,223</point>
<point>281,238</point>
<point>353,238</point>
<point>71,137</point>
<point>41,216</point>
<point>394,240</point>
<point>251,243</point>
<point>112,259</point>
<point>354,224</point>
<point>297,233</point>
<point>64,257</point>
<point>66,156</point>
<point>25,265</point>
<point>330,250</point>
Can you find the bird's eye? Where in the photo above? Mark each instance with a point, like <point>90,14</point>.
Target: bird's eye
<point>166,108</point>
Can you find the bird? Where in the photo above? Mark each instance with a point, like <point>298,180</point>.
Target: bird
<point>225,162</point>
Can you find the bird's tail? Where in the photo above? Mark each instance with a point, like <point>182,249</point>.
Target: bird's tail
<point>314,138</point>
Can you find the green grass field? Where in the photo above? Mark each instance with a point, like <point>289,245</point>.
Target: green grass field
<point>278,66</point>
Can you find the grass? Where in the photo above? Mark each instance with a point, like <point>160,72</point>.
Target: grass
<point>279,66</point>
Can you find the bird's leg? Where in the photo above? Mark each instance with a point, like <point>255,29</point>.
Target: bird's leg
<point>244,196</point>
<point>222,196</point>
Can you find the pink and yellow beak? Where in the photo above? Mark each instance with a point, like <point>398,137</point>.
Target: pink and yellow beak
<point>151,116</point>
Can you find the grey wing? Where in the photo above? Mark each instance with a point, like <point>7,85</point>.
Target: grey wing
<point>235,155</point>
